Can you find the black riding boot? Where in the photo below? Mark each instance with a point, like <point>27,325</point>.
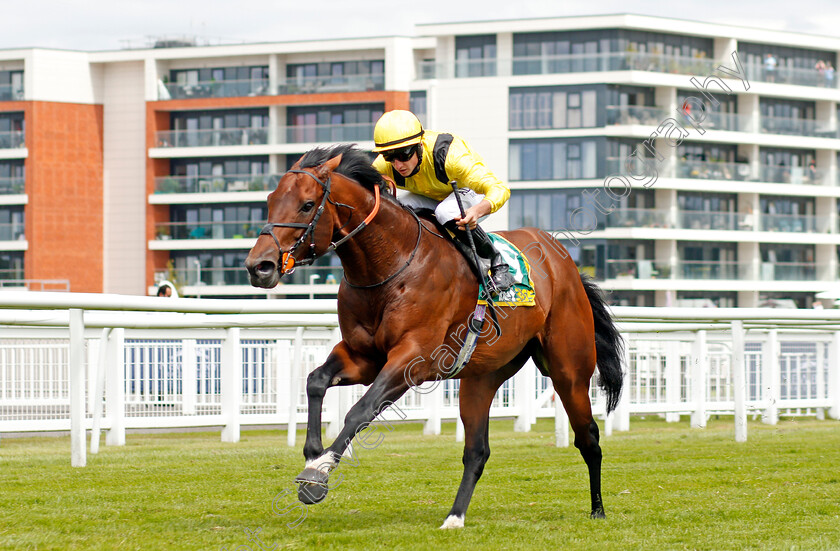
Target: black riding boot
<point>502,280</point>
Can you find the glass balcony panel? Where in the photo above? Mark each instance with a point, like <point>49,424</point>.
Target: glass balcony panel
<point>328,133</point>
<point>704,220</point>
<point>219,89</point>
<point>12,140</point>
<point>713,170</point>
<point>707,269</point>
<point>797,127</point>
<point>791,175</point>
<point>211,138</point>
<point>788,222</point>
<point>332,83</point>
<point>638,218</point>
<point>636,269</point>
<point>11,92</point>
<point>11,186</point>
<point>789,75</point>
<point>215,184</point>
<point>632,114</point>
<point>208,230</point>
<point>788,271</point>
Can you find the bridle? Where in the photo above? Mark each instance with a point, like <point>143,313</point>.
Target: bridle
<point>287,259</point>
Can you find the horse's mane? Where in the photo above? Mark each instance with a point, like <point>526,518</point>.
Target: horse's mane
<point>355,164</point>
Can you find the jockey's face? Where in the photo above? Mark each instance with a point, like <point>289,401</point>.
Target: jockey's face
<point>405,168</point>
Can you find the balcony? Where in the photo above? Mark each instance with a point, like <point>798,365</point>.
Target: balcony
<point>713,170</point>
<point>795,127</point>
<point>15,139</point>
<point>330,84</point>
<point>11,92</point>
<point>327,133</point>
<point>705,220</point>
<point>213,184</point>
<point>208,230</point>
<point>637,269</point>
<point>796,175</point>
<point>12,186</point>
<point>638,218</point>
<point>211,138</point>
<point>790,222</point>
<point>571,63</point>
<point>632,114</point>
<point>707,269</point>
<point>217,89</point>
<point>12,232</point>
<point>788,75</point>
<point>788,271</point>
<point>13,276</point>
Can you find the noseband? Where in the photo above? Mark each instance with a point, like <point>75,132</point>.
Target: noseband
<point>287,260</point>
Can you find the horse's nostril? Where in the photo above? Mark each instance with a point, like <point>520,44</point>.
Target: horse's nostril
<point>266,267</point>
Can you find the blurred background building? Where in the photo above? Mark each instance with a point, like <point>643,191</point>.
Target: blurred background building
<point>119,169</point>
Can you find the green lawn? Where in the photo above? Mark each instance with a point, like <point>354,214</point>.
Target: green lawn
<point>666,486</point>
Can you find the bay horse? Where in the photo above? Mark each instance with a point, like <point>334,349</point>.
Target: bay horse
<point>406,294</point>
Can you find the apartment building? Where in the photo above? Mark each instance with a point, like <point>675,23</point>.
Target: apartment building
<point>669,179</point>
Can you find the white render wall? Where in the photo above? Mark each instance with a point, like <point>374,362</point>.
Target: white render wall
<point>125,178</point>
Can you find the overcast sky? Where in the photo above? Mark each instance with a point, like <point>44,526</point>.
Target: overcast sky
<point>114,24</point>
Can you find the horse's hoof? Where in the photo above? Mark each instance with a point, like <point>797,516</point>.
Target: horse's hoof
<point>312,486</point>
<point>598,513</point>
<point>452,521</point>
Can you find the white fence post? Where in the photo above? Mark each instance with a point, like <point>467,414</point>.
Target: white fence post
<point>189,374</point>
<point>772,379</point>
<point>672,380</point>
<point>433,404</point>
<point>834,377</point>
<point>700,365</point>
<point>523,391</point>
<point>99,391</point>
<point>295,370</point>
<point>231,380</point>
<point>115,389</point>
<point>77,388</point>
<point>622,409</point>
<point>820,374</point>
<point>739,386</point>
<point>561,423</point>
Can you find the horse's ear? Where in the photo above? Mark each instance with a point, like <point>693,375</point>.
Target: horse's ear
<point>328,167</point>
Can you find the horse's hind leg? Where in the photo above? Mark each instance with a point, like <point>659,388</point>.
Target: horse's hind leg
<point>475,396</point>
<point>571,381</point>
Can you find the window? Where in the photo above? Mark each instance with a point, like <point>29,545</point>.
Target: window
<point>334,76</point>
<point>555,107</point>
<point>220,128</point>
<point>11,130</point>
<point>11,223</point>
<point>475,56</point>
<point>567,159</point>
<point>11,265</point>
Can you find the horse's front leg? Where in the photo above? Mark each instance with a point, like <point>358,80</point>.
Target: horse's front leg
<point>342,367</point>
<point>389,385</point>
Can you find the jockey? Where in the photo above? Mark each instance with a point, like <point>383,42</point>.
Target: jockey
<point>423,162</point>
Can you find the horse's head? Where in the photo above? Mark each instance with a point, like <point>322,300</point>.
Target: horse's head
<point>300,224</point>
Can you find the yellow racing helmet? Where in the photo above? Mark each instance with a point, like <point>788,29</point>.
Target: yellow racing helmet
<point>396,129</point>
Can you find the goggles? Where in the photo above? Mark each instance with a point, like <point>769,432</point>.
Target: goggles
<point>401,155</point>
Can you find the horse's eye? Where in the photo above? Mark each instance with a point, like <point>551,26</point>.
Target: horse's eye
<point>307,206</point>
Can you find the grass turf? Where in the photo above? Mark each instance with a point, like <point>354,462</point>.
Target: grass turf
<point>665,486</point>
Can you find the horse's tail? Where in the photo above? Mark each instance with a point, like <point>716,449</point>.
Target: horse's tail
<point>609,346</point>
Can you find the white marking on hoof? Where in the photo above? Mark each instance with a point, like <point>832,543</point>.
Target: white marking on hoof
<point>326,463</point>
<point>452,521</point>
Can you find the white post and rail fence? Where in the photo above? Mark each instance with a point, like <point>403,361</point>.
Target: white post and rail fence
<point>90,363</point>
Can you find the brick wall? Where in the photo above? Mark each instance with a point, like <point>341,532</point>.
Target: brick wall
<point>64,182</point>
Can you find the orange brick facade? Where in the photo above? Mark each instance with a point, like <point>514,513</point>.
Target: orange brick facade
<point>64,183</point>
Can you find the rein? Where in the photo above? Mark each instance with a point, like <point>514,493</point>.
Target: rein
<point>287,260</point>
